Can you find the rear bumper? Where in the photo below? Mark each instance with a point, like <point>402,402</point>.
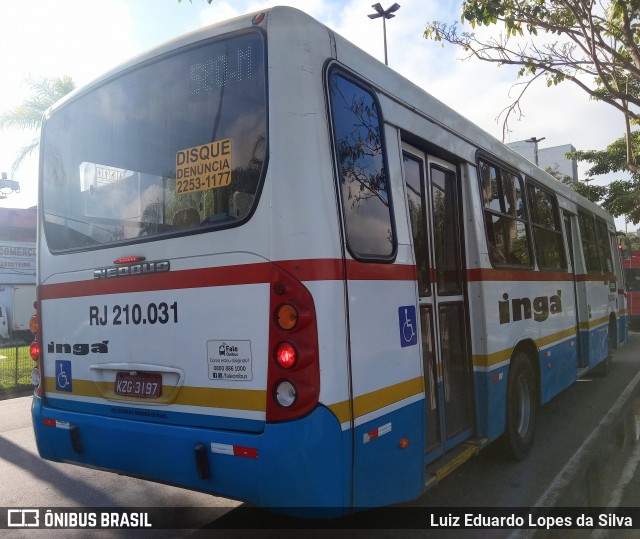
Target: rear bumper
<point>292,464</point>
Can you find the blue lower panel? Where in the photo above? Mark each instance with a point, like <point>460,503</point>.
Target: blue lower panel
<point>303,463</point>
<point>595,345</point>
<point>385,473</point>
<point>558,368</point>
<point>491,398</point>
<point>623,331</point>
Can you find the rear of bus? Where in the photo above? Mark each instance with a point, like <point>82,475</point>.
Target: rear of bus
<point>173,344</point>
<point>631,267</point>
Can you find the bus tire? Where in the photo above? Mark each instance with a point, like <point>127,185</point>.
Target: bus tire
<point>522,406</point>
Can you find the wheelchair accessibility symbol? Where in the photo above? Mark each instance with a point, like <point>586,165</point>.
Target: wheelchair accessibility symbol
<point>63,375</point>
<point>408,325</point>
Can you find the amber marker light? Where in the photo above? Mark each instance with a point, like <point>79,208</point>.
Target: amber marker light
<point>34,324</point>
<point>286,317</point>
<point>258,19</point>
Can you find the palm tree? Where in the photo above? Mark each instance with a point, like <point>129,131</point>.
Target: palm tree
<point>28,115</point>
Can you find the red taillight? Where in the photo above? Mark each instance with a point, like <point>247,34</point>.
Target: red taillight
<point>34,351</point>
<point>293,375</point>
<point>286,355</point>
<point>129,260</point>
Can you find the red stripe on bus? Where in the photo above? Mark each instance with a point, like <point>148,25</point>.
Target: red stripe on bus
<point>303,270</point>
<point>324,269</point>
<point>596,277</point>
<point>359,271</point>
<point>197,278</point>
<point>314,269</point>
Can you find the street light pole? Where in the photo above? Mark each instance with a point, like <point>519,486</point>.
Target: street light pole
<point>7,186</point>
<point>535,147</point>
<point>385,14</point>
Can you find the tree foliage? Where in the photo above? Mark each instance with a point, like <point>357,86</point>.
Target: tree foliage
<point>621,196</point>
<point>592,43</point>
<point>29,114</point>
<point>594,193</point>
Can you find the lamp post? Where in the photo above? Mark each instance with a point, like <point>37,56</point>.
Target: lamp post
<point>8,186</point>
<point>385,14</point>
<point>535,147</point>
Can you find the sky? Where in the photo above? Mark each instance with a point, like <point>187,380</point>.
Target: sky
<point>83,39</point>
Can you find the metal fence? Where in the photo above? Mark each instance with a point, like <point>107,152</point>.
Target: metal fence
<point>15,368</point>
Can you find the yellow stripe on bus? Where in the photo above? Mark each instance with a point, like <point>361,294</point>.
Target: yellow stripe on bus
<point>247,399</point>
<point>370,402</point>
<point>491,360</point>
<point>237,399</point>
<point>595,322</point>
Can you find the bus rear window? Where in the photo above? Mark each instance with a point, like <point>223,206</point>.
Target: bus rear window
<point>177,145</point>
<point>632,279</point>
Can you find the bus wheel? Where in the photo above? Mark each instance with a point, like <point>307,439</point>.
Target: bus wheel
<point>522,406</point>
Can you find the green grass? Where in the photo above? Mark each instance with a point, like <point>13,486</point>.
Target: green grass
<point>15,367</point>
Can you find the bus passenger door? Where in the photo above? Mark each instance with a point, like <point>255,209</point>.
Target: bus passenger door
<point>434,203</point>
<point>579,292</point>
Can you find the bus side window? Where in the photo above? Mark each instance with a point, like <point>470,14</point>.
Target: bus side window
<point>362,172</point>
<point>495,254</point>
<point>589,242</point>
<point>604,247</point>
<point>416,202</point>
<point>547,232</point>
<point>504,215</point>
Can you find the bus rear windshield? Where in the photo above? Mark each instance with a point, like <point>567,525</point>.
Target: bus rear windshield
<point>632,278</point>
<point>175,146</point>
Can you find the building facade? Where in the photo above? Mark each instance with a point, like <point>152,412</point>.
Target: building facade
<point>552,158</point>
<point>17,247</point>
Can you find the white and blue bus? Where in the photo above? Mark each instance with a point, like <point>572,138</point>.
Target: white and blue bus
<point>272,269</point>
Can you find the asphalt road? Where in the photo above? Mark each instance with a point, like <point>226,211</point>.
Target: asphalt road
<point>586,454</point>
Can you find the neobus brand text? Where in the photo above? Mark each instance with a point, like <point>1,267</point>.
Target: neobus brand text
<point>518,308</point>
<point>143,268</point>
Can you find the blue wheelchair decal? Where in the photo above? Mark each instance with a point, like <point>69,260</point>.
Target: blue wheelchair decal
<point>408,325</point>
<point>63,375</point>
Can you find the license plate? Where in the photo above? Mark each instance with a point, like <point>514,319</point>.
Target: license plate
<point>139,384</point>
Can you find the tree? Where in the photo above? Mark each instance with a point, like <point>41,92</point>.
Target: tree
<point>621,196</point>
<point>29,114</point>
<point>591,43</point>
<point>594,193</point>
